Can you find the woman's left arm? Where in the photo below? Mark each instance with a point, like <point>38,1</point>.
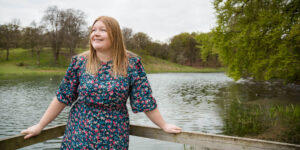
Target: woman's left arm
<point>155,117</point>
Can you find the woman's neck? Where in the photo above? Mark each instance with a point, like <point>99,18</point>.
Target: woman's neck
<point>104,55</point>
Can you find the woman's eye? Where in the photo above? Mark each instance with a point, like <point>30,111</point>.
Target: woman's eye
<point>101,30</point>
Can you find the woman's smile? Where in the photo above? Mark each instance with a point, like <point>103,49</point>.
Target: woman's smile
<point>99,37</point>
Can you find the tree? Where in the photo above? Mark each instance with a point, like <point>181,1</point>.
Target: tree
<point>127,35</point>
<point>259,38</point>
<point>183,48</point>
<point>207,52</point>
<point>29,38</point>
<point>141,40</point>
<point>52,21</point>
<point>34,38</point>
<point>72,25</point>
<point>10,35</point>
<point>158,49</point>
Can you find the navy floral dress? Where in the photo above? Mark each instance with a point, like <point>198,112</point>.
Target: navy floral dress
<point>99,118</point>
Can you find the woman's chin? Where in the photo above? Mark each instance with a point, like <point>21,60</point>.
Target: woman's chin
<point>101,49</point>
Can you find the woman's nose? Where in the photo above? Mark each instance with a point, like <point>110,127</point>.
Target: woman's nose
<point>97,35</point>
<point>97,32</point>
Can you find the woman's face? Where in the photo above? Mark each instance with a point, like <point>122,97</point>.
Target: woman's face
<point>99,37</point>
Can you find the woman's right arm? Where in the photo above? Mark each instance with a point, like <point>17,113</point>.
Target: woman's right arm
<point>51,113</point>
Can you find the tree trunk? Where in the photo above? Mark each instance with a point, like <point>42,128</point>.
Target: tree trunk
<point>56,56</point>
<point>71,52</point>
<point>38,58</point>
<point>7,53</point>
<point>32,52</point>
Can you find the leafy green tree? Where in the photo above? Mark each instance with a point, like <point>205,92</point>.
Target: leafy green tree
<point>158,49</point>
<point>183,48</point>
<point>259,38</point>
<point>207,52</point>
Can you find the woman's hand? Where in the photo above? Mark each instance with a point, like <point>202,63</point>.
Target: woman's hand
<point>170,128</point>
<point>155,117</point>
<point>53,110</point>
<point>32,131</point>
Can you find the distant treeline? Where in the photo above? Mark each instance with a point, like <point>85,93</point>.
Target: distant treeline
<point>67,28</point>
<point>258,39</point>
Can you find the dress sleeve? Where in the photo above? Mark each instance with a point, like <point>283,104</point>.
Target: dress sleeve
<point>67,92</point>
<point>141,99</point>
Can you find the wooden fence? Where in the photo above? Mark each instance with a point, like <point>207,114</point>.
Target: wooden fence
<point>199,140</point>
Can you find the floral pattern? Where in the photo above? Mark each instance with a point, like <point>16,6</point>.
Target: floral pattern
<point>99,118</point>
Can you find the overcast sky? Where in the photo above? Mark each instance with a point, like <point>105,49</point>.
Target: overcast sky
<point>160,19</point>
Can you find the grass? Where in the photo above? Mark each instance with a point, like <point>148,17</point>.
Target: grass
<point>157,65</point>
<point>22,62</point>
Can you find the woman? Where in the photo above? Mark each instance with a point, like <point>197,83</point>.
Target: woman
<point>101,80</point>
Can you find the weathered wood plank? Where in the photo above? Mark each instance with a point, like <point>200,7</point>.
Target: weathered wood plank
<point>211,141</point>
<point>15,142</point>
<point>201,140</point>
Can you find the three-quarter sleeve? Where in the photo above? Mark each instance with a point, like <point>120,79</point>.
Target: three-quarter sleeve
<point>141,99</point>
<point>67,92</point>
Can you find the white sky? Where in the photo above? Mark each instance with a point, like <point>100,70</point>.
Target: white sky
<point>160,19</point>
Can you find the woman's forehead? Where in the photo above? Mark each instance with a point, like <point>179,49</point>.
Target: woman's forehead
<point>99,24</point>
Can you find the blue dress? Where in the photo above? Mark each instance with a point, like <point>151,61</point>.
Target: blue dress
<point>99,119</point>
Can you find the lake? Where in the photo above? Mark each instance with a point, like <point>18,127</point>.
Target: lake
<point>202,102</point>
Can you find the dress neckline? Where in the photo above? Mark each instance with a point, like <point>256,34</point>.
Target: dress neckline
<point>105,62</point>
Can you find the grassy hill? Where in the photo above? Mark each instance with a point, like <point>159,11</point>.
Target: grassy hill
<point>22,62</point>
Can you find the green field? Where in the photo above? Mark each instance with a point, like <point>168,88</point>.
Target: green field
<point>21,62</point>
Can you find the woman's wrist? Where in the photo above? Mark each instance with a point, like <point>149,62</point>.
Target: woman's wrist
<point>41,126</point>
<point>163,126</point>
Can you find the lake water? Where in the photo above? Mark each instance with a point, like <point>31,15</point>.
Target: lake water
<point>194,101</point>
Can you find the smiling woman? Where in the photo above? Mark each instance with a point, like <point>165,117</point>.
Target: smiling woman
<point>99,37</point>
<point>97,84</point>
<point>106,44</point>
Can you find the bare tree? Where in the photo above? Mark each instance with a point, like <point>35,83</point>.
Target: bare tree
<point>34,38</point>
<point>127,35</point>
<point>52,22</point>
<point>29,38</point>
<point>141,40</point>
<point>10,35</point>
<point>72,22</point>
<point>40,42</point>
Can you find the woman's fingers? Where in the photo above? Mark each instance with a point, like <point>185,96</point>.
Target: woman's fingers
<point>27,136</point>
<point>31,131</point>
<point>24,132</point>
<point>177,130</point>
<point>170,128</point>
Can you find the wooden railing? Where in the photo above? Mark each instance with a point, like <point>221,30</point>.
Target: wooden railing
<point>200,140</point>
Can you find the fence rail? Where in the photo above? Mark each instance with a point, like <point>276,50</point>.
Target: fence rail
<point>200,140</point>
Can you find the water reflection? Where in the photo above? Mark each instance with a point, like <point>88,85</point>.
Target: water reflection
<point>261,110</point>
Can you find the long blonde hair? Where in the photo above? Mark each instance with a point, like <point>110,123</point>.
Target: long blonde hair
<point>118,54</point>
